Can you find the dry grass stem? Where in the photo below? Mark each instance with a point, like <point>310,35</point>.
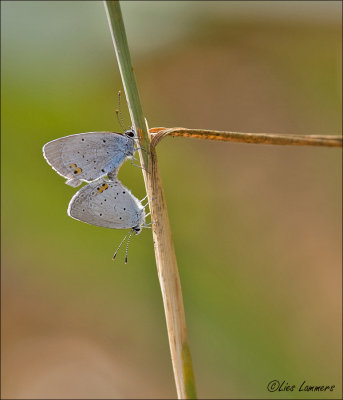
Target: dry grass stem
<point>255,138</point>
<point>170,283</point>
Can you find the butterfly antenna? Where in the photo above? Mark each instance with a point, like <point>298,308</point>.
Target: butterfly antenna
<point>114,256</point>
<point>127,245</point>
<point>118,113</point>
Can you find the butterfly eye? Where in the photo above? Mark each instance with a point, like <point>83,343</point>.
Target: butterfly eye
<point>130,133</point>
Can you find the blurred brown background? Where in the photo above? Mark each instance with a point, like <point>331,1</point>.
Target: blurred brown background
<point>257,229</point>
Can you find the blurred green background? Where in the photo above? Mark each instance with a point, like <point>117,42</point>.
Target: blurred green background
<point>257,229</point>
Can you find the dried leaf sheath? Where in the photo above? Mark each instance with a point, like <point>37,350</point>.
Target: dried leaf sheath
<point>255,138</point>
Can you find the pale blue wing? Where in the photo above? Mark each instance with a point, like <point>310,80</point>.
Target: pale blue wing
<point>87,156</point>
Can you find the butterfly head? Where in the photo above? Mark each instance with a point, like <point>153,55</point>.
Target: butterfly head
<point>130,133</point>
<point>137,230</point>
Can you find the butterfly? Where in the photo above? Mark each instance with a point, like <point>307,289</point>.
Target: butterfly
<point>109,204</point>
<point>89,156</point>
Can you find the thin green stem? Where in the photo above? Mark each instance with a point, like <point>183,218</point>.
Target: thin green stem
<point>117,28</point>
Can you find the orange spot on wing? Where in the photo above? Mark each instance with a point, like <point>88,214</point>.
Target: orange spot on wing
<point>103,187</point>
<point>77,171</point>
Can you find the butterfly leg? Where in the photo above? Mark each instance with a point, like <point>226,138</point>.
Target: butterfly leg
<point>139,166</point>
<point>149,224</point>
<point>139,148</point>
<point>148,201</point>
